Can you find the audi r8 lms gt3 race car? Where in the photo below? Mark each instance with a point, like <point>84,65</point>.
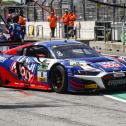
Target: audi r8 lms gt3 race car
<point>60,65</point>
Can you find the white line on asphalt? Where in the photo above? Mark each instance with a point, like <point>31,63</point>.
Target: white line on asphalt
<point>115,98</point>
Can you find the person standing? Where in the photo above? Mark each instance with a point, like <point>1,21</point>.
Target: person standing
<point>52,19</point>
<point>15,30</point>
<point>22,22</point>
<point>72,19</point>
<point>65,20</point>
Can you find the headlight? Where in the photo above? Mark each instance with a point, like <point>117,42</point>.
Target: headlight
<point>83,68</point>
<point>86,70</point>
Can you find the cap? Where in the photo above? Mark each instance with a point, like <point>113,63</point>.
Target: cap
<point>66,10</point>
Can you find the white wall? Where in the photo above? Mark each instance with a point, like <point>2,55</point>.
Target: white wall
<point>85,30</point>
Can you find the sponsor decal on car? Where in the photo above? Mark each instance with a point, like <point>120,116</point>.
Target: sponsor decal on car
<point>42,73</point>
<point>109,64</point>
<point>25,73</point>
<point>60,54</point>
<point>90,86</point>
<point>27,62</point>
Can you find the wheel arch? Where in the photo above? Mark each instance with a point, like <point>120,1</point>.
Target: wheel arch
<point>52,68</point>
<point>65,87</point>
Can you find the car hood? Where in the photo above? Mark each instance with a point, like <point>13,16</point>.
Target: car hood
<point>102,63</point>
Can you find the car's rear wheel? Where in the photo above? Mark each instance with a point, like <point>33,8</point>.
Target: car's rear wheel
<point>59,80</point>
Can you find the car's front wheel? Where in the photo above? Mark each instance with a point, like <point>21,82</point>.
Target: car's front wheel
<point>59,79</point>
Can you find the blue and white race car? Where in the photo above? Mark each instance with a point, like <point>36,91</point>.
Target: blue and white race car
<point>60,65</point>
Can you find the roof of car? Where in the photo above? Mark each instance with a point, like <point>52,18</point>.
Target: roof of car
<point>57,42</point>
<point>47,44</point>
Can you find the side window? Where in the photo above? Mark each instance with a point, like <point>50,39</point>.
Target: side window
<point>36,51</point>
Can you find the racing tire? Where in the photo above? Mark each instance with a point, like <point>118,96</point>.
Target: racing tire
<point>59,80</point>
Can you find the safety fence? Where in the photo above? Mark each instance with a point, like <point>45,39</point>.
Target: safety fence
<point>84,9</point>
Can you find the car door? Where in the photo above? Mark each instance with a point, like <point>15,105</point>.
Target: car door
<point>32,66</point>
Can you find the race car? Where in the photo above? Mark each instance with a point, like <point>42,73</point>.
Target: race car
<point>60,65</point>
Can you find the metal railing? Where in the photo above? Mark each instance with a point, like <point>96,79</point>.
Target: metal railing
<point>102,33</point>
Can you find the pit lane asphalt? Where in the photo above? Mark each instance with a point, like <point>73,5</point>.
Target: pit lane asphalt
<point>37,108</point>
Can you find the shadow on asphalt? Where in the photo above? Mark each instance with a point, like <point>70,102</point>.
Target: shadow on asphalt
<point>26,106</point>
<point>89,93</point>
<point>100,92</point>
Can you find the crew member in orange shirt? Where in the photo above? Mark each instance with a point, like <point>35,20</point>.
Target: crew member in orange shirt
<point>52,23</point>
<point>72,19</point>
<point>65,20</point>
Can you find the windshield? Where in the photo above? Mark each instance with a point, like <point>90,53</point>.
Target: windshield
<point>74,51</point>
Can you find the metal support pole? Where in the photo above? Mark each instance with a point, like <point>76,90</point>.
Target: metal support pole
<point>124,12</point>
<point>51,5</point>
<point>97,12</point>
<point>124,29</point>
<point>27,15</point>
<point>60,16</point>
<point>84,9</point>
<point>44,1</point>
<point>71,5</point>
<point>114,1</point>
<point>60,6</point>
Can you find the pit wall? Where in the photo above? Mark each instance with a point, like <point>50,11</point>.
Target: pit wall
<point>115,47</point>
<point>85,30</point>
